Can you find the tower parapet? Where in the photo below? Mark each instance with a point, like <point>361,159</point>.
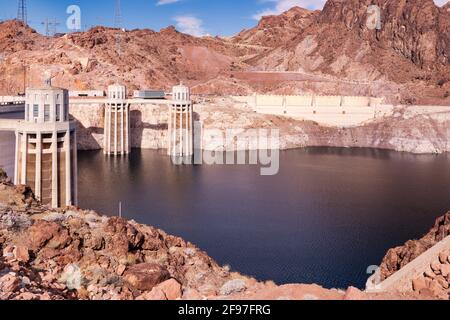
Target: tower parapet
<point>46,147</point>
<point>117,121</point>
<point>181,123</point>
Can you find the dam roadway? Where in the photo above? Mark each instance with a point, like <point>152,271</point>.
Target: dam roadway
<point>8,124</point>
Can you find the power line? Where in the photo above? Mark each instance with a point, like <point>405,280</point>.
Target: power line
<point>22,11</point>
<point>50,26</point>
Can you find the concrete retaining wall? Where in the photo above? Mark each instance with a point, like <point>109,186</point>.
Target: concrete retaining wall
<point>299,101</point>
<point>356,101</point>
<point>328,101</point>
<point>272,101</point>
<point>401,281</point>
<point>343,111</point>
<point>12,108</point>
<point>7,100</point>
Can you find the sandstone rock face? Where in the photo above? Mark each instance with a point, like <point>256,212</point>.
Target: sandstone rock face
<point>273,31</point>
<point>333,50</point>
<point>397,258</point>
<point>171,289</point>
<point>21,254</point>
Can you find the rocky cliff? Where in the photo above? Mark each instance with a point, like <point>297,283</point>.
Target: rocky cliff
<point>329,52</point>
<point>397,258</point>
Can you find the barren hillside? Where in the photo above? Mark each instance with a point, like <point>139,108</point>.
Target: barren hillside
<point>330,52</point>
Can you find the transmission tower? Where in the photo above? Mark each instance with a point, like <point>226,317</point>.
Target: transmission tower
<point>22,11</point>
<point>118,15</point>
<point>118,25</point>
<point>50,26</point>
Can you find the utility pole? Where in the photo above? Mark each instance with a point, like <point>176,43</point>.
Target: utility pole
<point>24,79</point>
<point>22,11</point>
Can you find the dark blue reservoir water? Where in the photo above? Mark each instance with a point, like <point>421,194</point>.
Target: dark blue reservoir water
<point>325,218</point>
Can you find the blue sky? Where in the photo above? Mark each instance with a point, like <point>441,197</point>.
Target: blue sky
<point>198,17</point>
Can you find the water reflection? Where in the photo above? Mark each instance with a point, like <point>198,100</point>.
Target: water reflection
<point>327,216</point>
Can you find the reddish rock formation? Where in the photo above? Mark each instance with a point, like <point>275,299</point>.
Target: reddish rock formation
<point>329,50</point>
<point>145,276</point>
<point>397,258</point>
<point>274,31</point>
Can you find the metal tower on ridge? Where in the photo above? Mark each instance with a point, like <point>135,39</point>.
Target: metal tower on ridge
<point>118,15</point>
<point>118,25</point>
<point>22,11</point>
<point>50,26</point>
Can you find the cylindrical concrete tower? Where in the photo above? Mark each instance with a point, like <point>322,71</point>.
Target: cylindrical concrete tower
<point>181,123</point>
<point>46,147</point>
<point>117,122</point>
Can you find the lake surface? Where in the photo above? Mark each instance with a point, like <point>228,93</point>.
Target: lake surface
<point>325,218</point>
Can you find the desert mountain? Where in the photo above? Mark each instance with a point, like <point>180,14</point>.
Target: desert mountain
<point>333,51</point>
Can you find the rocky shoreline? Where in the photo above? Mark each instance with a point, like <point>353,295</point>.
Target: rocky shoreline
<point>70,253</point>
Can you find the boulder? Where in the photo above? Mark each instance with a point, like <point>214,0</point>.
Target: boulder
<point>21,254</point>
<point>420,283</point>
<point>443,257</point>
<point>8,252</point>
<point>437,290</point>
<point>445,270</point>
<point>171,288</point>
<point>192,295</point>
<point>429,274</point>
<point>155,295</point>
<point>436,267</point>
<point>50,234</point>
<point>146,276</point>
<point>121,269</point>
<point>233,286</point>
<point>442,281</point>
<point>9,283</point>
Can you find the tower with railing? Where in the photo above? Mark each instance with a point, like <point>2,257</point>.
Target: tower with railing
<point>117,122</point>
<point>181,123</point>
<point>46,147</point>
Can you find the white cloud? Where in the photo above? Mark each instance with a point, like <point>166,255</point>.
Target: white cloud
<point>280,6</point>
<point>190,25</point>
<point>440,2</point>
<point>164,2</point>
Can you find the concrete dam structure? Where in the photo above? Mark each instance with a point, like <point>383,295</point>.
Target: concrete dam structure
<point>9,104</point>
<point>117,122</point>
<point>46,147</point>
<point>181,123</point>
<point>327,110</point>
<point>117,113</point>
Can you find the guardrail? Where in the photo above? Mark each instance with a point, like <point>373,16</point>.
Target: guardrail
<point>11,100</point>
